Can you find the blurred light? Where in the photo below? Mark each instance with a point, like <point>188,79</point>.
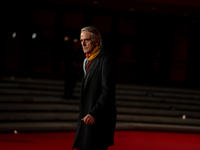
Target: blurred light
<point>66,38</point>
<point>185,15</point>
<point>153,8</point>
<point>184,117</point>
<point>75,40</point>
<point>15,132</point>
<point>14,35</point>
<point>131,9</point>
<point>12,77</point>
<point>95,2</point>
<point>34,35</point>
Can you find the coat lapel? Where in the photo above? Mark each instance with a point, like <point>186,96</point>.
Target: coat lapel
<point>93,67</point>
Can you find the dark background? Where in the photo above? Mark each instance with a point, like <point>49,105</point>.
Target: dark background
<point>154,42</point>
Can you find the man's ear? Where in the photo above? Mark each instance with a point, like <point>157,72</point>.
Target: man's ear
<point>98,41</point>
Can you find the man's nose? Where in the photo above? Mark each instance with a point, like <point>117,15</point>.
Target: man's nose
<point>83,43</point>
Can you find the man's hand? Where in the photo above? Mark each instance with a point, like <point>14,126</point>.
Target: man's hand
<point>88,119</point>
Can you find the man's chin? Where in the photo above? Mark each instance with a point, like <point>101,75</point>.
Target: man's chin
<point>84,51</point>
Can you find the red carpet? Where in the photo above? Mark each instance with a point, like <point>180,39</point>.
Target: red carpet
<point>124,140</point>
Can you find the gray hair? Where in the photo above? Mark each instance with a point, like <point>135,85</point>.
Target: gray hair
<point>94,34</point>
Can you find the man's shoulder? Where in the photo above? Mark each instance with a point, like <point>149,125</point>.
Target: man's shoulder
<point>105,54</point>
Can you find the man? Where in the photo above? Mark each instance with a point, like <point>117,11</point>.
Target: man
<point>97,118</point>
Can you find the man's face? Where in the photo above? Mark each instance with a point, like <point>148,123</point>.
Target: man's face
<point>86,41</point>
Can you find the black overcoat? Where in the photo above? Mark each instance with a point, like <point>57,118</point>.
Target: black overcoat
<point>98,100</point>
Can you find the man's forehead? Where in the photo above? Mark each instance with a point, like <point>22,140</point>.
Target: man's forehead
<point>85,34</point>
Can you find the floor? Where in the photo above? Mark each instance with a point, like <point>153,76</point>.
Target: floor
<point>124,140</point>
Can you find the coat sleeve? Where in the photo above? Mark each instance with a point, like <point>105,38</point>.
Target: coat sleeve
<point>106,101</point>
